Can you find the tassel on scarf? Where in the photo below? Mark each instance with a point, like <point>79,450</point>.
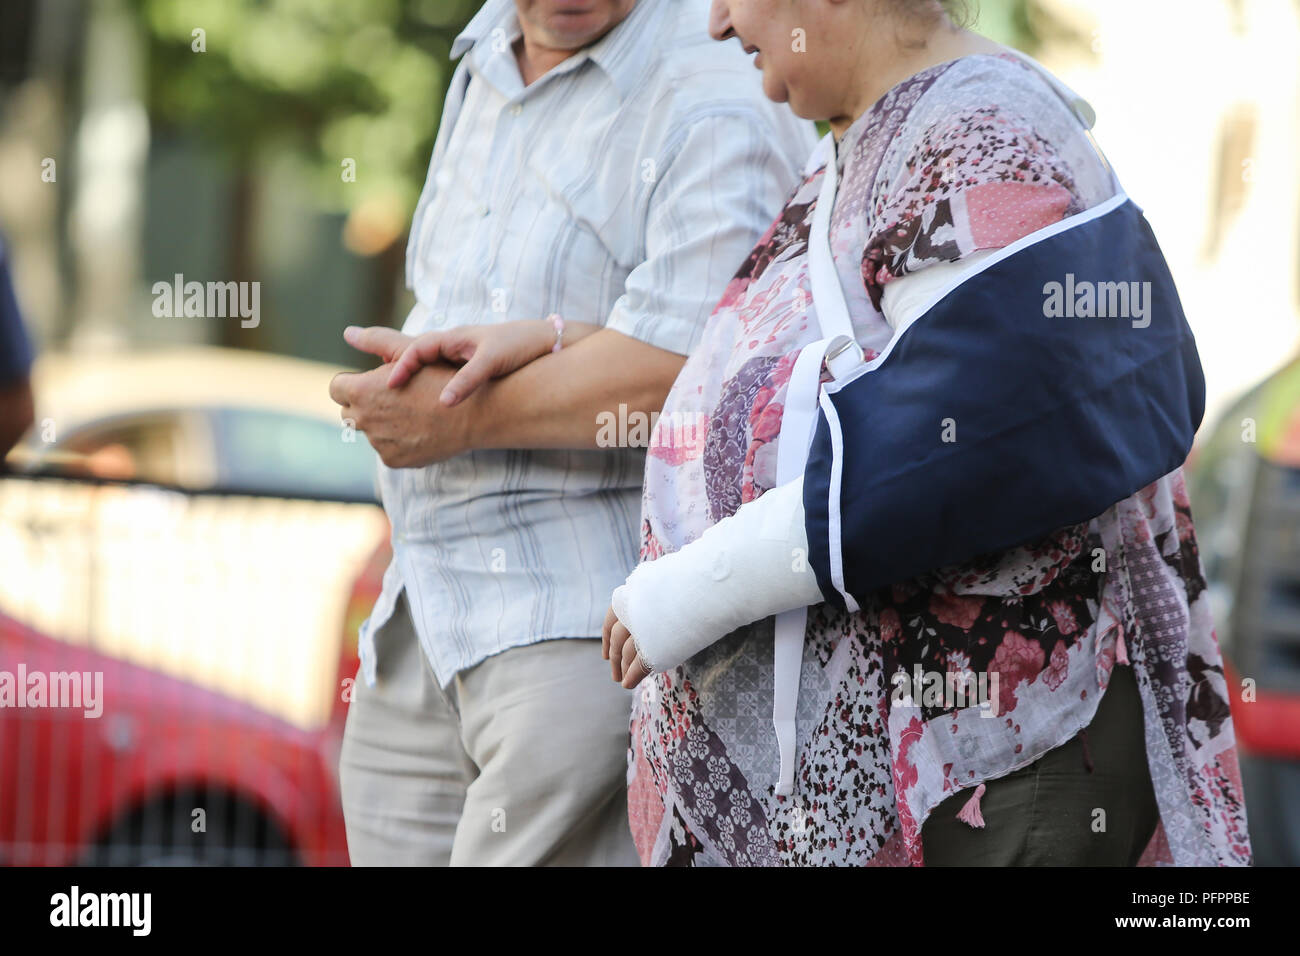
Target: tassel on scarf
<point>971,812</point>
<point>1121,649</point>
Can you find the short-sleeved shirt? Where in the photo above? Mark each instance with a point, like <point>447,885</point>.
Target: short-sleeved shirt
<point>622,189</point>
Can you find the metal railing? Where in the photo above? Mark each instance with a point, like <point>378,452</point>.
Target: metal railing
<point>176,666</point>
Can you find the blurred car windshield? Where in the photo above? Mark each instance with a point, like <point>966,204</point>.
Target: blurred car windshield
<point>147,447</point>
<point>289,454</point>
<point>234,449</point>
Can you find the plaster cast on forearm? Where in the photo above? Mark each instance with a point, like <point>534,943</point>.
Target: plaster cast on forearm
<point>746,567</point>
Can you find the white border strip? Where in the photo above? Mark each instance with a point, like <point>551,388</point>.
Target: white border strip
<point>834,524</point>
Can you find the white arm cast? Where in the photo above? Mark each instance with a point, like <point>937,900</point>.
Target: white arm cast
<point>753,564</point>
<point>746,567</point>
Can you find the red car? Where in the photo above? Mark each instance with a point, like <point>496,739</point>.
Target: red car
<point>207,570</point>
<point>133,785</point>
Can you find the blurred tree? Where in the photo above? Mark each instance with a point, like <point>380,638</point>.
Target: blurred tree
<point>340,84</point>
<point>1007,21</point>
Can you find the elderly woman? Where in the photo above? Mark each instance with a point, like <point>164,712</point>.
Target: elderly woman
<point>1109,735</point>
<point>784,645</point>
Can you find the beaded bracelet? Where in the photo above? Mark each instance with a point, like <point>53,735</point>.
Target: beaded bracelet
<point>558,324</point>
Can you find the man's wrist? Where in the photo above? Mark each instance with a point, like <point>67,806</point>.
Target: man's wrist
<point>446,431</point>
<point>466,420</point>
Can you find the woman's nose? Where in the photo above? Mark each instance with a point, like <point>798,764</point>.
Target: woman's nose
<point>720,20</point>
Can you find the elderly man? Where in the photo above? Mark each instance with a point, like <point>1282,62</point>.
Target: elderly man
<point>600,161</point>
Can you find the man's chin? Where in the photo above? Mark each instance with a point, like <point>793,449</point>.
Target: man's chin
<point>572,33</point>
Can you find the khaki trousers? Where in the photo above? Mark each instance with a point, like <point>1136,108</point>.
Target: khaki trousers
<point>520,761</point>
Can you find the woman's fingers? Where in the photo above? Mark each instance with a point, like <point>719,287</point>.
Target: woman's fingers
<point>470,376</point>
<point>610,620</point>
<point>618,646</point>
<point>376,340</point>
<point>632,669</point>
<point>617,638</point>
<point>487,351</point>
<point>407,364</point>
<point>425,350</point>
<point>635,675</point>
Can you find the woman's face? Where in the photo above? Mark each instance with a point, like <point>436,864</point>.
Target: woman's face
<point>803,47</point>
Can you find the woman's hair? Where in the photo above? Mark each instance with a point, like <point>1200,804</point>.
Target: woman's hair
<point>960,12</point>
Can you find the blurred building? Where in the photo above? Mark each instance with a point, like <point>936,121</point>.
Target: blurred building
<point>1198,107</point>
<point>141,139</point>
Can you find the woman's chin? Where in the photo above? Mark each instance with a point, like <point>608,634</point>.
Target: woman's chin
<point>773,88</point>
<point>800,107</point>
<point>779,91</point>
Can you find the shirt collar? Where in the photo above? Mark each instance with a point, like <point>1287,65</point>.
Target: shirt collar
<point>621,53</point>
<point>493,14</point>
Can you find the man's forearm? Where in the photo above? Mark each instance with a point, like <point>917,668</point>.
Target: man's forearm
<point>556,401</point>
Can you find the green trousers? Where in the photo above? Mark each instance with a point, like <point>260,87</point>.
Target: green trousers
<point>1089,802</point>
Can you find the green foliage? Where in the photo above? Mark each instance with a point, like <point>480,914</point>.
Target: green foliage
<point>1007,21</point>
<point>323,79</point>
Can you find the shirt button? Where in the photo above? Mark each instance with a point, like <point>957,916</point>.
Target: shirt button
<point>443,178</point>
<point>483,209</point>
<point>516,109</point>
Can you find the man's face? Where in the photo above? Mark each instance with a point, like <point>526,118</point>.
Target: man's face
<point>570,24</point>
